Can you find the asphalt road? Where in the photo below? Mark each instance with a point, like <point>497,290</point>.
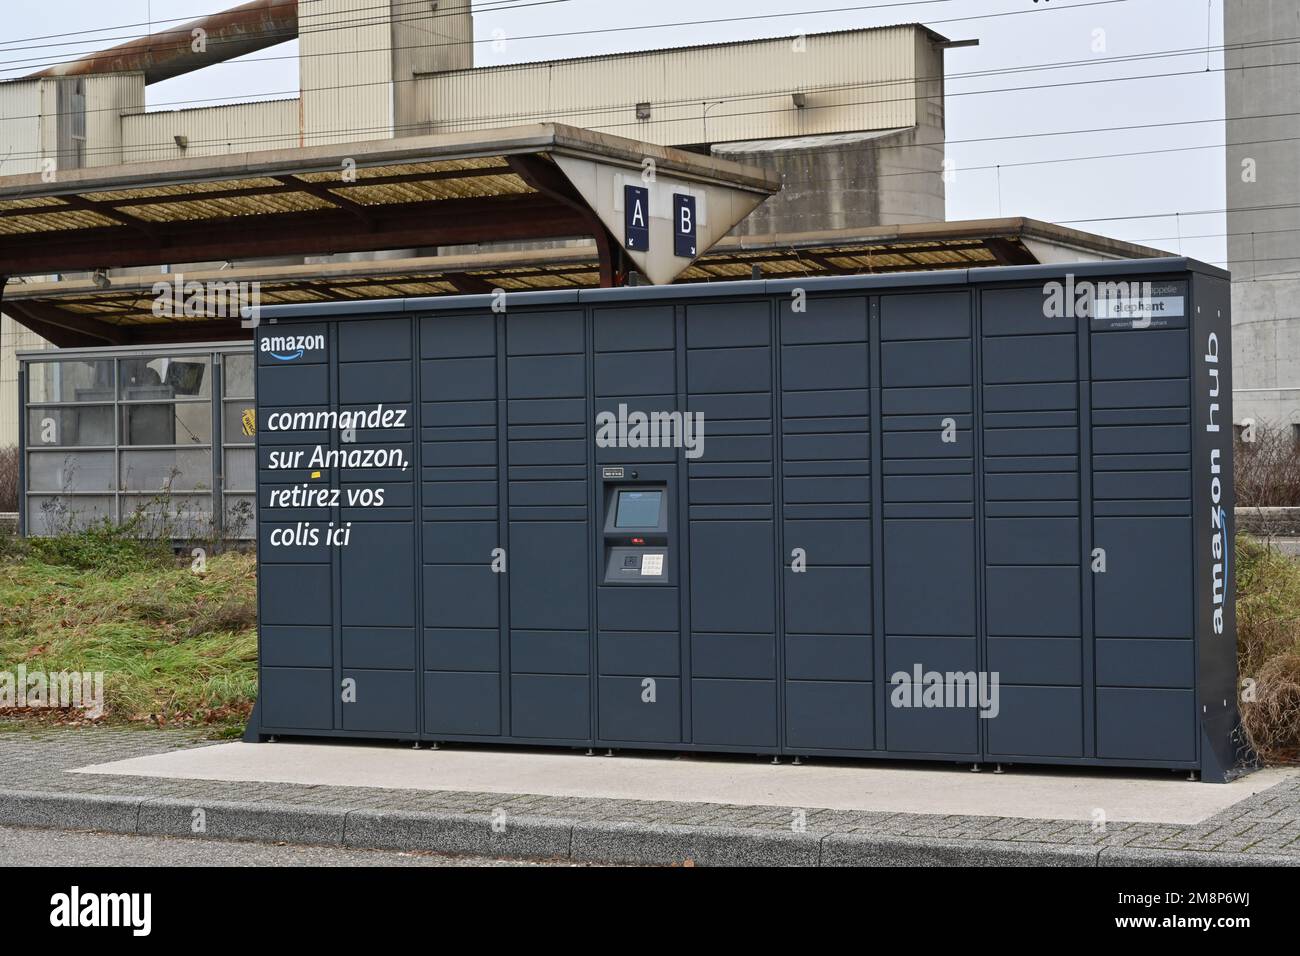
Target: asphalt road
<point>23,847</point>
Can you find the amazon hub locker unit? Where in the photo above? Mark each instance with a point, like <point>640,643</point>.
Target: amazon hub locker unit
<point>973,516</point>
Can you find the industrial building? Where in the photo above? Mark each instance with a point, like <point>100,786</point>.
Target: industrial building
<point>1263,177</point>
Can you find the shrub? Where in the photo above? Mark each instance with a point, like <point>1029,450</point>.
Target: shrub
<point>104,546</point>
<point>1268,648</point>
<point>1267,468</point>
<point>9,479</point>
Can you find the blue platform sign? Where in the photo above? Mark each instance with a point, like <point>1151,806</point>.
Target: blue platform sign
<point>636,218</point>
<point>684,244</point>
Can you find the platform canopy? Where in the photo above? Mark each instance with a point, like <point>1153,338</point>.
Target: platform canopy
<point>520,184</point>
<point>82,313</point>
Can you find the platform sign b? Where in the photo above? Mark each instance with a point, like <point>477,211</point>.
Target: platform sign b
<point>636,218</point>
<point>684,231</point>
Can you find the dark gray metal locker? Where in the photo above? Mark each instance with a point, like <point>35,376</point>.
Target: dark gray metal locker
<point>929,516</point>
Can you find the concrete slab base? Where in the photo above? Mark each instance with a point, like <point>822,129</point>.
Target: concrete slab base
<point>1034,793</point>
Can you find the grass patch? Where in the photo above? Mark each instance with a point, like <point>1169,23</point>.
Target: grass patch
<point>176,648</point>
<point>1268,648</point>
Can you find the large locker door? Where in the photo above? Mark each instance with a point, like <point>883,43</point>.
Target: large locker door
<point>549,575</point>
<point>732,526</point>
<point>639,655</point>
<point>459,525</point>
<point>296,583</point>
<point>826,525</point>
<point>1141,445</point>
<point>929,561</point>
<point>1032,547</point>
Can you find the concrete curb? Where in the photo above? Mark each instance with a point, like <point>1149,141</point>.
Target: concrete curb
<point>462,834</point>
<point>555,838</point>
<point>853,849</point>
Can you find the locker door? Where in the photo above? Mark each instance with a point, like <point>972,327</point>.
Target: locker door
<point>929,560</point>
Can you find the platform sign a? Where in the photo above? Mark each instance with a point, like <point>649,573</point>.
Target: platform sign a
<point>636,218</point>
<point>684,230</point>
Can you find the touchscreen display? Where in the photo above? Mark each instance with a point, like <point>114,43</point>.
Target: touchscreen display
<point>638,509</point>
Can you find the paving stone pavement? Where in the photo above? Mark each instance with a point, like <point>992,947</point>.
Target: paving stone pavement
<point>36,760</point>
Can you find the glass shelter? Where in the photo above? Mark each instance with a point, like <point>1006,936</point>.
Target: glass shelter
<point>165,433</point>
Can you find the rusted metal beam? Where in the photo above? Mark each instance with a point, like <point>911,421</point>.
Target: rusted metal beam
<point>1009,253</point>
<point>547,179</point>
<point>196,330</point>
<point>62,329</point>
<point>319,232</point>
<point>322,192</point>
<point>192,46</point>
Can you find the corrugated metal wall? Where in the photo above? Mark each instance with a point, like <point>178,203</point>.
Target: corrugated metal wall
<point>108,99</point>
<point>346,74</point>
<point>22,129</point>
<point>212,131</point>
<point>853,80</point>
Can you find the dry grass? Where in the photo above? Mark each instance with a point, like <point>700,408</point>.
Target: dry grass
<point>1268,649</point>
<point>176,648</point>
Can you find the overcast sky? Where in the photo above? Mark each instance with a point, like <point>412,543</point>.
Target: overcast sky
<point>1130,114</point>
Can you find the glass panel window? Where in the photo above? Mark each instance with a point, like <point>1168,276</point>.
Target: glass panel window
<point>162,377</point>
<point>70,380</point>
<point>237,376</point>
<point>240,471</point>
<point>167,470</point>
<point>167,423</point>
<point>240,423</point>
<point>240,518</point>
<point>55,427</point>
<point>169,516</point>
<point>48,516</point>
<point>69,471</point>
